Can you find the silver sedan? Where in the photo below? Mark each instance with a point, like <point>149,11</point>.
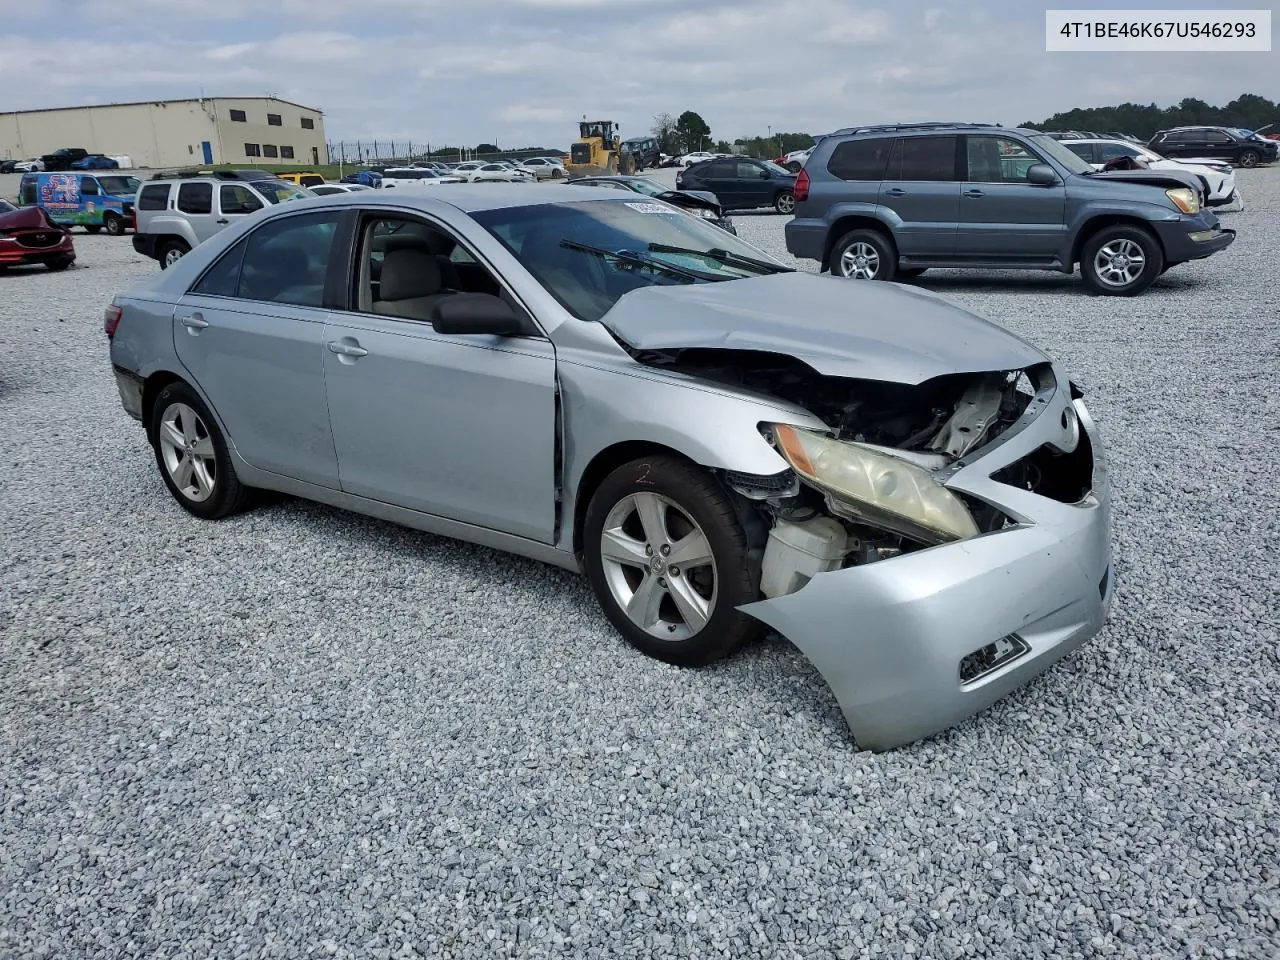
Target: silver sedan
<point>912,495</point>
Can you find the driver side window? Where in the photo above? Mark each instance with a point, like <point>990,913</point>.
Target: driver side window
<point>406,266</point>
<point>997,160</point>
<point>234,198</point>
<point>1112,150</point>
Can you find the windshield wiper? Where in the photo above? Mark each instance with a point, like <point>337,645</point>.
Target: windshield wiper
<point>634,257</point>
<point>723,256</point>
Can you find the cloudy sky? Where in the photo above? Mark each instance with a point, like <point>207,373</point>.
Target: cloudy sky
<point>524,71</point>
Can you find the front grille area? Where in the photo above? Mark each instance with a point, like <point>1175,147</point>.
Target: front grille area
<point>1065,477</point>
<point>993,656</point>
<point>40,239</point>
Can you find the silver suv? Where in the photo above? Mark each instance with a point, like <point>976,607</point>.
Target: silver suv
<point>177,212</point>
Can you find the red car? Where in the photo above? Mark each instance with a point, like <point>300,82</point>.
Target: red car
<point>28,236</point>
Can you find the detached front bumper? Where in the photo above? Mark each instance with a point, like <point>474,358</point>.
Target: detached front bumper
<point>889,637</point>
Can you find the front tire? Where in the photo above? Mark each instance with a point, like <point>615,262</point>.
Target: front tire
<point>667,558</point>
<point>192,455</point>
<point>785,202</point>
<point>864,255</point>
<point>1249,158</point>
<point>1121,261</point>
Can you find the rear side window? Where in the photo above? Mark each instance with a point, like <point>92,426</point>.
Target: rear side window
<point>195,198</point>
<point>287,260</point>
<point>221,279</point>
<point>923,159</point>
<point>716,170</point>
<point>860,159</point>
<point>155,196</point>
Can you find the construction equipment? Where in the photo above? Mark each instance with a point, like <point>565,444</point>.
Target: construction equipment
<point>598,150</point>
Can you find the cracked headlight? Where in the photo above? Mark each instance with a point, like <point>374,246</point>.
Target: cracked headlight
<point>883,490</point>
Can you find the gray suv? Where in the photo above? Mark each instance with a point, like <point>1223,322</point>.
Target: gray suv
<point>888,202</point>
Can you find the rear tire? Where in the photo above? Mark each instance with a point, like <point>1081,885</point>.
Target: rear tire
<point>1109,261</point>
<point>192,455</point>
<point>864,255</point>
<point>171,251</point>
<point>785,202</point>
<point>114,225</point>
<point>647,514</point>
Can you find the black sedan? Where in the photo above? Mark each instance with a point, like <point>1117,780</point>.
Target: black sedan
<point>700,203</point>
<point>741,183</point>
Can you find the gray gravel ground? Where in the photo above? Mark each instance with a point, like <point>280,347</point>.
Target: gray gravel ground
<point>304,733</point>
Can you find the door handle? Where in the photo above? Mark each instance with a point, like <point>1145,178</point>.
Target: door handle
<point>347,348</point>
<point>224,220</point>
<point>974,193</point>
<point>895,192</point>
<point>194,323</point>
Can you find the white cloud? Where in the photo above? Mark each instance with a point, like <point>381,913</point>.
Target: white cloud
<point>526,70</point>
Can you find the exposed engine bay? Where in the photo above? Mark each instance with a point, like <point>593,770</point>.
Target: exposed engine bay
<point>924,427</point>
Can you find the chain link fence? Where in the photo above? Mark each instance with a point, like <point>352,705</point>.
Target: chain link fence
<point>392,152</point>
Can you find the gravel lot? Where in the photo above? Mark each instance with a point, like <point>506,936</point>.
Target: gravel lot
<point>300,732</point>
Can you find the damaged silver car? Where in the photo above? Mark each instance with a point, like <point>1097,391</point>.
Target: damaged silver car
<point>913,496</point>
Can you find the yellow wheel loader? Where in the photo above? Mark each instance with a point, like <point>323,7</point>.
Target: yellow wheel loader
<point>598,151</point>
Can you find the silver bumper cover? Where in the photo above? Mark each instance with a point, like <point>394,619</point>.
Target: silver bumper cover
<point>889,637</point>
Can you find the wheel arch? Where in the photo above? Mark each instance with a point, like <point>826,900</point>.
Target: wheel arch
<point>603,464</point>
<point>854,221</point>
<point>1101,221</point>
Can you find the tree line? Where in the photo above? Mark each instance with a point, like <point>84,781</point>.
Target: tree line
<point>1249,110</point>
<point>689,131</point>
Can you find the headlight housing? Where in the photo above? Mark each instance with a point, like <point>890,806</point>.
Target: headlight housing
<point>881,489</point>
<point>1185,199</point>
<point>704,213</point>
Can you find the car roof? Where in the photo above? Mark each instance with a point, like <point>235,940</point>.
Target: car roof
<point>469,198</point>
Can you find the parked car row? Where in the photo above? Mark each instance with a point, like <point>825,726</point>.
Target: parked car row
<point>435,172</point>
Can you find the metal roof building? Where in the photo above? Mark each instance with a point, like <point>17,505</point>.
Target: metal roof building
<point>167,133</point>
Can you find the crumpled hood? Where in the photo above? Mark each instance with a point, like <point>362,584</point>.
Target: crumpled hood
<point>1155,178</point>
<point>863,329</point>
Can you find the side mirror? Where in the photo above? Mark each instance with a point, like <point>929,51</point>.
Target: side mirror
<point>1042,175</point>
<point>764,174</point>
<point>476,313</point>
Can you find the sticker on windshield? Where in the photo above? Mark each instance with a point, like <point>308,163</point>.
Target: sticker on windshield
<point>649,207</point>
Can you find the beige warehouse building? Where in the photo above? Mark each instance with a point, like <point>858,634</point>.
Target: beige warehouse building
<point>173,133</point>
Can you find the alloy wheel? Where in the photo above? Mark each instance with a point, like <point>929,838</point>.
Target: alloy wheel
<point>1119,262</point>
<point>172,256</point>
<point>786,203</point>
<point>188,452</point>
<point>861,261</point>
<point>658,565</point>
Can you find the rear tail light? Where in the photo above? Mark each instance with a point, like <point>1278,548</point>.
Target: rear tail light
<point>111,319</point>
<point>801,190</point>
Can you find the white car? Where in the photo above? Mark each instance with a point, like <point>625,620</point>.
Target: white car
<point>328,189</point>
<point>543,168</point>
<point>696,157</point>
<point>1219,174</point>
<point>29,166</point>
<point>794,160</point>
<point>497,173</point>
<point>415,177</point>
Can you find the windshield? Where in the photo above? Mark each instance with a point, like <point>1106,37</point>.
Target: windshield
<point>119,186</point>
<point>1063,155</point>
<point>279,191</point>
<point>650,188</point>
<point>587,254</point>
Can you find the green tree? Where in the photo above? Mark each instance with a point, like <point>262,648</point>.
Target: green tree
<point>692,131</point>
<point>1248,110</point>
